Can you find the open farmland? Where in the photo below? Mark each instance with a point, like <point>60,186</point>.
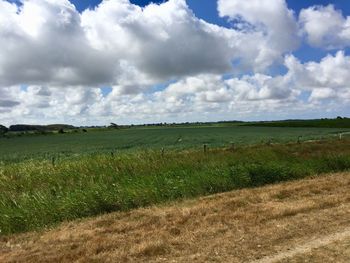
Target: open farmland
<point>47,180</point>
<point>171,138</point>
<point>38,193</point>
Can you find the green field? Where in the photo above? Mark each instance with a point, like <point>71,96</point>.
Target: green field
<point>47,179</point>
<point>36,194</point>
<point>171,138</point>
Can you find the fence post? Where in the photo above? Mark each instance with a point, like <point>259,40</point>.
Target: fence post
<point>299,139</point>
<point>232,146</point>
<point>205,148</point>
<point>163,150</point>
<point>53,161</point>
<point>340,136</point>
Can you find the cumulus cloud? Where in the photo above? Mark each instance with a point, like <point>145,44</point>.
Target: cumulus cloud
<point>42,42</point>
<point>275,27</point>
<point>322,93</point>
<point>162,41</point>
<point>8,103</point>
<point>332,72</point>
<point>8,98</point>
<point>199,97</point>
<point>54,61</point>
<point>325,27</point>
<point>48,42</point>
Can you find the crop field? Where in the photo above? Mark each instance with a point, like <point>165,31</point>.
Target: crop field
<point>170,138</point>
<point>37,193</point>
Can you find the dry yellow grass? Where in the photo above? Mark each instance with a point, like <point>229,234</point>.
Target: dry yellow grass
<point>262,224</point>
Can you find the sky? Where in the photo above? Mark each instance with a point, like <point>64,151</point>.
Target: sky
<point>128,61</point>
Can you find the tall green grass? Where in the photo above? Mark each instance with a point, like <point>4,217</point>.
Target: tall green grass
<point>36,194</point>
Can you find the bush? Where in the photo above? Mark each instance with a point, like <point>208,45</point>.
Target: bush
<point>3,129</point>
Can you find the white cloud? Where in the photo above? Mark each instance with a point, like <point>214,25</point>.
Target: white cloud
<point>167,40</point>
<point>200,97</point>
<point>48,42</point>
<point>332,72</point>
<point>326,27</point>
<point>322,93</point>
<point>275,27</point>
<point>63,57</point>
<point>42,42</point>
<point>261,87</point>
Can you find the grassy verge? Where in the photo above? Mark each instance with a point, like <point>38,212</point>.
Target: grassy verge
<point>36,194</point>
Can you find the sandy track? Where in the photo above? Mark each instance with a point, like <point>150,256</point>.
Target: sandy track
<point>289,222</point>
<point>302,250</point>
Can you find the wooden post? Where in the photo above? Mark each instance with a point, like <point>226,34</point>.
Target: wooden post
<point>205,148</point>
<point>163,151</point>
<point>53,161</point>
<point>299,139</point>
<point>340,136</point>
<point>232,147</point>
<point>112,154</point>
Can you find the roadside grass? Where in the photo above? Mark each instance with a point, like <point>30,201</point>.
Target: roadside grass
<point>36,194</point>
<point>246,225</point>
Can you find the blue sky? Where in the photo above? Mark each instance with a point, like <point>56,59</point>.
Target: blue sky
<point>173,62</point>
<point>207,9</point>
<point>202,8</point>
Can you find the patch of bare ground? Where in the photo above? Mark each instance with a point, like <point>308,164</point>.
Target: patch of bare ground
<point>337,251</point>
<point>335,246</point>
<point>239,226</point>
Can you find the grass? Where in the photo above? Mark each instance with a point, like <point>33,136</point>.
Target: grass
<point>36,194</point>
<point>292,219</point>
<point>71,145</point>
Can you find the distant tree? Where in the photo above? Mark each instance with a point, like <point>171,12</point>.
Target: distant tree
<point>24,127</point>
<point>113,125</point>
<point>3,129</point>
<point>60,131</point>
<point>339,118</point>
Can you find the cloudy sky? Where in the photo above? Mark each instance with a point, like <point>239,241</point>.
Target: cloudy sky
<point>95,62</point>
